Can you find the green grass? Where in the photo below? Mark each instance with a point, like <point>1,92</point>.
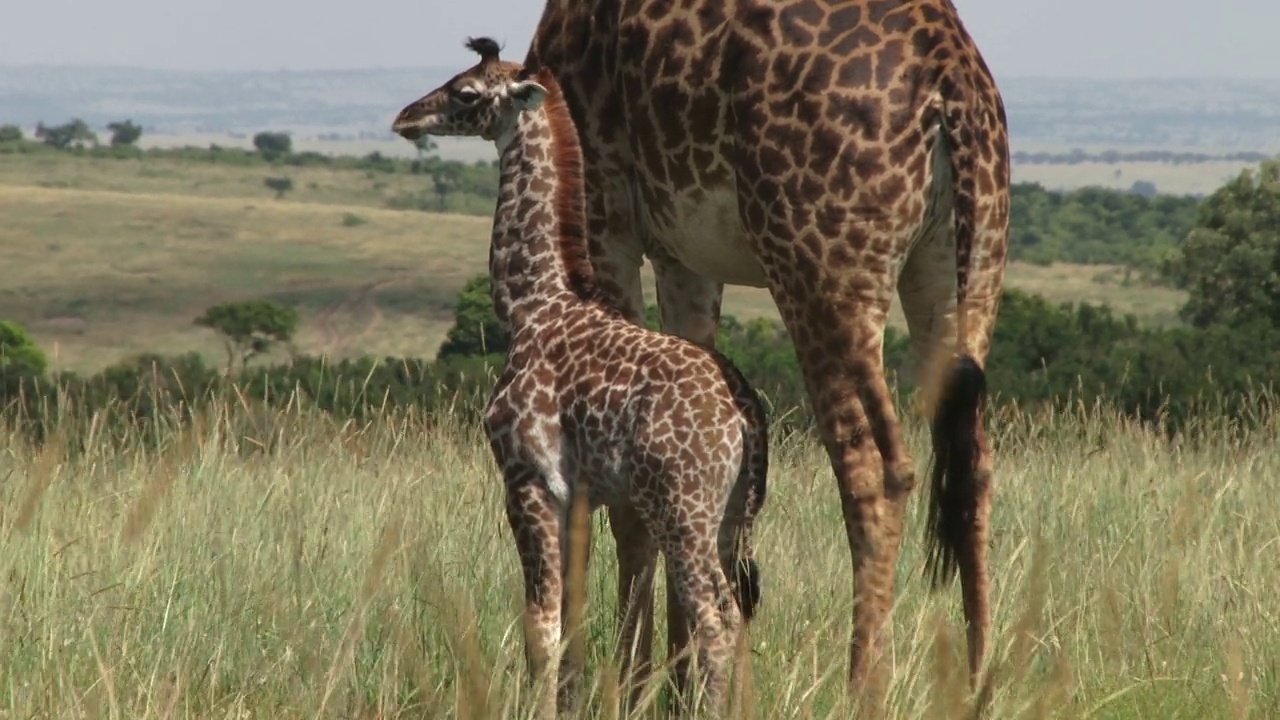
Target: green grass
<point>368,572</point>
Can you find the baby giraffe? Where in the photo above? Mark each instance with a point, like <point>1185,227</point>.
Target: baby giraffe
<point>593,405</point>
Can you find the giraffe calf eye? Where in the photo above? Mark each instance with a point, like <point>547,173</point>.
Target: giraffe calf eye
<point>466,94</point>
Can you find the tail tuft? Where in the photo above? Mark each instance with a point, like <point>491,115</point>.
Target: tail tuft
<point>954,488</point>
<point>747,580</point>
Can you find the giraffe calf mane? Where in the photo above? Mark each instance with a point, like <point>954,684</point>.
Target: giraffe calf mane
<point>571,198</point>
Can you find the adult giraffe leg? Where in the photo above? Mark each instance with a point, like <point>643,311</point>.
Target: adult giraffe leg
<point>839,335</point>
<point>960,506</point>
<point>688,303</point>
<point>830,258</point>
<point>927,288</point>
<point>637,563</point>
<point>575,556</point>
<point>616,254</point>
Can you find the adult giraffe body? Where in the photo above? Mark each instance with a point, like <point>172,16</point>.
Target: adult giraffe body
<point>832,152</point>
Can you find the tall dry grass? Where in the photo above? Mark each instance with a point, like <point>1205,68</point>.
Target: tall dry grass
<point>282,565</point>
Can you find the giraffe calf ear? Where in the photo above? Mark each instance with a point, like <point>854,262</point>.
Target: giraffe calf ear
<point>526,94</point>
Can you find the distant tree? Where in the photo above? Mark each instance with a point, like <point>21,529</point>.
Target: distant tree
<point>72,134</point>
<point>476,329</point>
<point>20,357</point>
<point>425,146</point>
<point>1145,188</point>
<point>272,145</point>
<point>280,185</point>
<point>652,317</point>
<point>377,161</point>
<point>1230,261</point>
<point>124,132</point>
<point>250,328</point>
<point>10,133</point>
<point>445,179</point>
<point>1097,225</point>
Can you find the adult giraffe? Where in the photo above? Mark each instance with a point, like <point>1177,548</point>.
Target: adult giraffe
<point>831,151</point>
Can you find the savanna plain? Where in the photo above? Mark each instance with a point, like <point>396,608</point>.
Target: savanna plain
<point>279,563</point>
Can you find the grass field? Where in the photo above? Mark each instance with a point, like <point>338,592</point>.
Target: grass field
<point>118,256</point>
<point>1186,179</point>
<point>368,573</point>
<point>278,564</point>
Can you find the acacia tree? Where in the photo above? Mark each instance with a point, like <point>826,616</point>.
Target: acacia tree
<point>444,179</point>
<point>124,132</point>
<point>250,328</point>
<point>280,185</point>
<point>476,329</point>
<point>72,134</point>
<point>425,146</point>
<point>1230,261</point>
<point>272,145</point>
<point>20,357</point>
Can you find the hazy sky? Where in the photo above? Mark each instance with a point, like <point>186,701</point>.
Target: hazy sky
<point>1082,38</point>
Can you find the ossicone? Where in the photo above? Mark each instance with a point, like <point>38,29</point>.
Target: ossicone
<point>486,48</point>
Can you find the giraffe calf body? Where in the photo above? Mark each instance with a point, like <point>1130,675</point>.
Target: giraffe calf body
<point>646,423</point>
<point>665,433</point>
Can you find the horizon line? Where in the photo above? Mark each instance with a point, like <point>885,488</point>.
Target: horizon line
<point>448,68</point>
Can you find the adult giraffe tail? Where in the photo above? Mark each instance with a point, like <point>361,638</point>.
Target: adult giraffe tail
<point>957,407</point>
<point>956,425</point>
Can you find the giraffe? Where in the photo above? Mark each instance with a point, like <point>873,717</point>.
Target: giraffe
<point>591,405</point>
<point>835,152</point>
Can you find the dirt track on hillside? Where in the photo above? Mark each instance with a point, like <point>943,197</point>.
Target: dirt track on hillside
<point>358,311</point>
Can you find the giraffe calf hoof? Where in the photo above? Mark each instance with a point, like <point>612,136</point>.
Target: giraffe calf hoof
<point>747,580</point>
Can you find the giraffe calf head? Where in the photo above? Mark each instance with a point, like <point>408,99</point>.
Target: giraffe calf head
<point>482,101</point>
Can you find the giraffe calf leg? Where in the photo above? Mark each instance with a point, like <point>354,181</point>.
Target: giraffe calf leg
<point>637,565</point>
<point>535,523</point>
<point>707,597</point>
<point>697,579</point>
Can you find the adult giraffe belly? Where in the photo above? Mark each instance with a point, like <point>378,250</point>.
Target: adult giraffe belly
<point>704,232</point>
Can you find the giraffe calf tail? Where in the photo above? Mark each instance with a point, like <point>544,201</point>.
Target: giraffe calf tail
<point>954,487</point>
<point>746,500</point>
<point>754,479</point>
<point>747,581</point>
<point>744,571</point>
